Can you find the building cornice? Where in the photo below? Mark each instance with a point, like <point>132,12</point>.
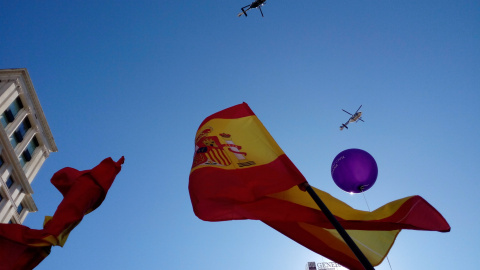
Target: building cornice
<point>39,114</point>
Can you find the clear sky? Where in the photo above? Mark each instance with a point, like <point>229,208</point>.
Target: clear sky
<point>136,78</point>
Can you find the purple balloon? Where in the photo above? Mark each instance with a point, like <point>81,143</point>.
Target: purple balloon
<point>354,170</point>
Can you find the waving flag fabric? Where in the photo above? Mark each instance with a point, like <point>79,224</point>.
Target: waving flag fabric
<point>373,232</point>
<point>23,248</point>
<point>239,172</point>
<point>236,161</point>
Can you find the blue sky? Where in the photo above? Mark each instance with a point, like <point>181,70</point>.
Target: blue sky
<point>136,78</point>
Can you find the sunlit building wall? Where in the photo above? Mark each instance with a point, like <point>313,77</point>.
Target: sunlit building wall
<point>25,143</point>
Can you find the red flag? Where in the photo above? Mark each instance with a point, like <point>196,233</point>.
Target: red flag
<point>239,172</point>
<point>24,248</point>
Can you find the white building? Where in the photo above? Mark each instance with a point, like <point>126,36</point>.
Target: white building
<point>25,143</point>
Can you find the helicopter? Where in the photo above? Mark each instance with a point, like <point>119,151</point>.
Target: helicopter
<point>354,118</point>
<point>255,4</point>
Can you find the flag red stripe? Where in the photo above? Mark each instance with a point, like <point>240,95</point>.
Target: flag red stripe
<point>419,215</point>
<point>233,187</point>
<point>414,214</point>
<point>237,111</point>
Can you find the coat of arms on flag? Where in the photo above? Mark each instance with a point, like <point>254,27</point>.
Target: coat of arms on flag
<point>220,150</point>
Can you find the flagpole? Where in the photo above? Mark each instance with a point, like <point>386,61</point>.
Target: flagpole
<point>348,240</point>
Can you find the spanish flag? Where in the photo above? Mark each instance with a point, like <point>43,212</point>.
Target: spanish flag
<point>22,248</point>
<point>239,172</point>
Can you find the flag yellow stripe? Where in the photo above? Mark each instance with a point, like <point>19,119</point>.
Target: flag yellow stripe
<point>337,207</point>
<point>374,244</point>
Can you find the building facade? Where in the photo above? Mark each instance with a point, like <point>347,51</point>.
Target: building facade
<point>25,143</point>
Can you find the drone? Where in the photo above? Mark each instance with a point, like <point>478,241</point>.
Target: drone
<point>354,118</point>
<point>255,4</point>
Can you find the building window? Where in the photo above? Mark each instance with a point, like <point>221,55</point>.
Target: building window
<point>14,141</point>
<point>1,161</point>
<point>22,129</point>
<point>3,119</point>
<point>9,115</point>
<point>26,156</point>
<point>22,160</point>
<point>1,198</point>
<point>10,182</point>
<point>19,134</point>
<point>20,208</point>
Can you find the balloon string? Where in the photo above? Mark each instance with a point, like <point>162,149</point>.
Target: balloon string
<point>389,263</point>
<point>364,197</point>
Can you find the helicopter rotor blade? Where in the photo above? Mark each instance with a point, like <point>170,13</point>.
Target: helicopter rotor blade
<point>244,11</point>
<point>260,8</point>
<point>358,108</point>
<point>346,112</point>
